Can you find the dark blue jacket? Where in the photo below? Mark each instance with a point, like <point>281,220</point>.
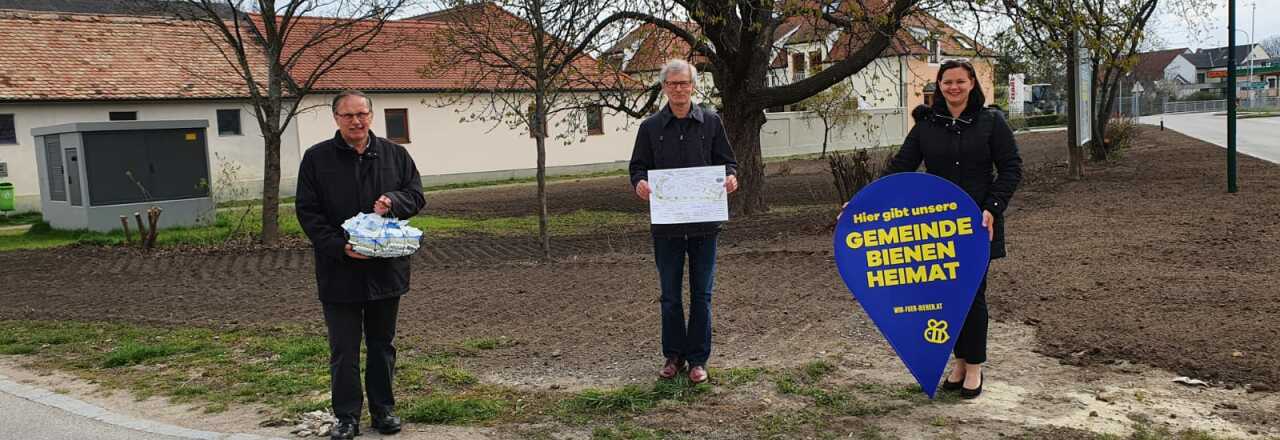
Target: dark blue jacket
<point>334,184</point>
<point>661,145</point>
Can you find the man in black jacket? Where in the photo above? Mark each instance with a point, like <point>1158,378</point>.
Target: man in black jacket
<point>352,173</point>
<point>683,135</point>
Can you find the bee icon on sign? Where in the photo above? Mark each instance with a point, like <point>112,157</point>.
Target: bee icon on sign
<point>936,332</point>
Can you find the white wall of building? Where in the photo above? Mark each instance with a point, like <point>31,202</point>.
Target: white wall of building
<point>444,146</point>
<point>226,151</point>
<point>1180,67</point>
<point>792,133</point>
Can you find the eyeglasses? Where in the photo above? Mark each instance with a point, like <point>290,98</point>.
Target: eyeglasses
<point>678,84</point>
<point>348,116</point>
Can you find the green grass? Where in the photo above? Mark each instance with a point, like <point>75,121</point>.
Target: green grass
<point>1268,114</point>
<point>577,222</point>
<point>251,202</point>
<point>520,180</point>
<point>633,399</point>
<point>244,223</point>
<point>136,353</point>
<point>21,218</point>
<point>450,410</point>
<point>628,431</point>
<point>227,223</point>
<point>734,377</point>
<point>276,367</point>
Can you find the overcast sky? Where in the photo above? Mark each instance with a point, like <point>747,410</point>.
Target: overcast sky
<point>1172,29</point>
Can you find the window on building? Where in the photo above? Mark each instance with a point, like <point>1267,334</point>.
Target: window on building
<point>815,61</point>
<point>928,93</point>
<point>1271,84</point>
<point>799,68</point>
<point>935,50</point>
<point>397,125</point>
<point>122,116</point>
<point>595,120</point>
<point>8,132</point>
<point>229,122</point>
<point>1200,78</point>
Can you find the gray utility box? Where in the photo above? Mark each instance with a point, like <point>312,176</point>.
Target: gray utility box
<point>91,173</point>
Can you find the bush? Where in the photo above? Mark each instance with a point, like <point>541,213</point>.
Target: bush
<point>852,171</point>
<point>1202,95</point>
<point>1120,134</point>
<point>1024,122</point>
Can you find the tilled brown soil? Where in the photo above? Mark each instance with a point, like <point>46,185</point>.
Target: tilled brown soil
<point>1147,260</point>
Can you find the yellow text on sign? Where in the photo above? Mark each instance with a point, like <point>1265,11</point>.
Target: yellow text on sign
<point>912,275</point>
<point>908,233</point>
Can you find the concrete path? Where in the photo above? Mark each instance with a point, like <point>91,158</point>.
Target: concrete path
<point>31,413</point>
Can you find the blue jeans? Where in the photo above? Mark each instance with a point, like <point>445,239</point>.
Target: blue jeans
<point>692,340</point>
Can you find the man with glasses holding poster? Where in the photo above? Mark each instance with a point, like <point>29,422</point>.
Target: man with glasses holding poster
<point>683,135</point>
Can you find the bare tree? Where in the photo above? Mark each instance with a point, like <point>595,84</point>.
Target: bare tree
<point>736,38</point>
<point>1272,46</point>
<point>281,50</point>
<point>1110,30</point>
<point>528,61</point>
<point>836,107</point>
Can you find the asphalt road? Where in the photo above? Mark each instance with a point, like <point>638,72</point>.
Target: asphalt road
<point>1257,137</point>
<point>27,420</point>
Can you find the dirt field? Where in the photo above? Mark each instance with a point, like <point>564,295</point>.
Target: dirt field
<point>1147,262</point>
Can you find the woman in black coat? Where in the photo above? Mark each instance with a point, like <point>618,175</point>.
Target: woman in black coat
<point>972,146</point>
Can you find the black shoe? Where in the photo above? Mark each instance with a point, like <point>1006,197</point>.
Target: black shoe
<point>385,424</point>
<point>344,430</point>
<point>968,393</point>
<point>952,386</point>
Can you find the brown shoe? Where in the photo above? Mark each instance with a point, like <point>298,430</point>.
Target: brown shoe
<point>671,368</point>
<point>698,374</point>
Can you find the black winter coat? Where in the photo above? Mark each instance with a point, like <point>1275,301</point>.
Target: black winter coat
<point>975,151</point>
<point>334,184</point>
<point>660,144</point>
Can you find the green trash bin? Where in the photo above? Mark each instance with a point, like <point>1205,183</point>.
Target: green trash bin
<point>6,196</point>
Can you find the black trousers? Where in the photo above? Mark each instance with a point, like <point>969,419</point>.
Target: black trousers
<point>972,343</point>
<point>347,323</point>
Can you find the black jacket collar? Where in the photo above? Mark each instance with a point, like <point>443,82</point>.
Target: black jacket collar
<point>341,144</point>
<point>666,115</point>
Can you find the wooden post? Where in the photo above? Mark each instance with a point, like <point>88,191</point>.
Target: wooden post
<point>153,215</point>
<point>142,229</point>
<point>124,221</point>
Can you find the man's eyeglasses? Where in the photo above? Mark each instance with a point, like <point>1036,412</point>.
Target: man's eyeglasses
<point>678,84</point>
<point>348,116</point>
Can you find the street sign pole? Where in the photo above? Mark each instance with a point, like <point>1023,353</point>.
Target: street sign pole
<point>1231,96</point>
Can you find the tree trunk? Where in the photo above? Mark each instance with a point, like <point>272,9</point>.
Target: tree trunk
<point>541,138</point>
<point>1107,91</point>
<point>1075,161</point>
<point>1075,153</point>
<point>742,125</point>
<point>271,188</point>
<point>826,131</point>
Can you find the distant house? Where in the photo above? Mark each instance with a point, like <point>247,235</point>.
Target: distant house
<point>1167,71</point>
<point>1211,67</point>
<point>100,67</point>
<point>90,68</point>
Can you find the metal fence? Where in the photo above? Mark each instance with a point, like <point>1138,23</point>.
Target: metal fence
<point>1217,105</point>
<point>1220,105</point>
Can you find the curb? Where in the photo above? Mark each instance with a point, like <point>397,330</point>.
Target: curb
<point>90,411</point>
